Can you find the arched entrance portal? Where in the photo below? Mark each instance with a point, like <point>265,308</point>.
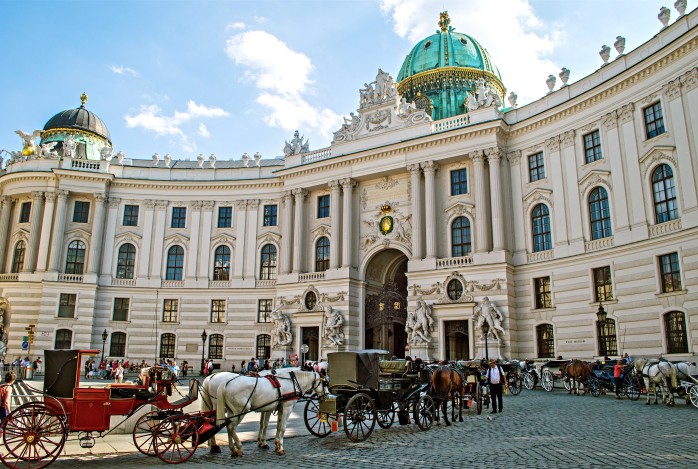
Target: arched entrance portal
<point>386,302</point>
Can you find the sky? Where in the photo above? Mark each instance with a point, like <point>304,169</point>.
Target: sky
<point>232,77</point>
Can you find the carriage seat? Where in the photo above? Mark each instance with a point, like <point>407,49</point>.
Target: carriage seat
<point>391,367</point>
<point>139,392</point>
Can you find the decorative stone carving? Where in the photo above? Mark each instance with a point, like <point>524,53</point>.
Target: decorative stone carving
<point>281,331</point>
<point>605,54</point>
<point>257,158</point>
<point>120,156</point>
<point>536,197</point>
<point>333,326</point>
<point>386,183</point>
<point>162,204</point>
<point>69,147</point>
<point>47,150</point>
<point>389,224</point>
<point>657,157</point>
<point>564,75</point>
<point>245,160</point>
<point>167,159</point>
<point>552,144</point>
<point>478,157</point>
<point>364,198</point>
<point>296,146</point>
<point>460,209</point>
<point>690,79</point>
<point>619,45</point>
<point>429,167</point>
<point>512,99</point>
<point>594,179</point>
<point>626,113</point>
<point>664,16</point>
<point>650,98</point>
<point>196,205</point>
<point>419,324</point>
<point>672,90</point>
<point>487,312</point>
<point>514,157</point>
<point>435,289</point>
<point>114,202</point>
<point>567,139</point>
<point>28,145</point>
<point>253,204</point>
<point>551,83</point>
<point>680,6</point>
<point>156,159</point>
<point>149,204</point>
<point>494,284</point>
<point>494,155</point>
<point>484,96</point>
<point>106,153</point>
<point>610,120</point>
<point>241,204</point>
<point>212,160</point>
<point>465,297</point>
<point>200,159</point>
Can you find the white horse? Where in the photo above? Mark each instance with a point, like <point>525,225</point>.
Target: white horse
<point>684,370</point>
<point>658,374</point>
<point>245,394</point>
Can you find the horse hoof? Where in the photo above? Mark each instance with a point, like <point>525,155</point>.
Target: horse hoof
<point>263,445</point>
<point>647,403</point>
<point>448,424</point>
<point>236,454</point>
<point>280,452</point>
<point>215,449</point>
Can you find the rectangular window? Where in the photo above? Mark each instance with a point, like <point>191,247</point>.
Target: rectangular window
<point>536,167</point>
<point>81,212</point>
<point>121,309</point>
<point>66,305</point>
<point>269,215</point>
<point>25,212</point>
<point>323,206</point>
<point>131,215</point>
<point>264,311</point>
<point>179,217</point>
<point>169,310</point>
<point>603,289</point>
<point>592,147</point>
<point>459,181</point>
<point>217,310</point>
<point>670,271</point>
<point>654,120</point>
<point>225,217</point>
<point>543,297</point>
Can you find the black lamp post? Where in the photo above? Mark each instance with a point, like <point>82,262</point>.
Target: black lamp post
<point>104,341</point>
<point>601,318</point>
<point>486,332</point>
<point>203,350</point>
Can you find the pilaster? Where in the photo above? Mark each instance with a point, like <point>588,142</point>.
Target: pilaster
<point>206,228</point>
<point>416,184</point>
<point>240,227</point>
<point>430,168</point>
<point>193,251</point>
<point>481,242</point>
<point>144,255</point>
<point>286,233</point>
<point>348,185</point>
<point>96,247</point>
<point>4,228</point>
<point>251,235</point>
<point>45,239</point>
<point>58,231</point>
<point>109,233</point>
<point>336,220</point>
<point>494,159</point>
<point>35,232</point>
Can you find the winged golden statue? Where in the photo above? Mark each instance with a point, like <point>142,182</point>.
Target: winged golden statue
<point>28,140</point>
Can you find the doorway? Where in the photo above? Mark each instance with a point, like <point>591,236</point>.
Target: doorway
<point>456,340</point>
<point>311,337</point>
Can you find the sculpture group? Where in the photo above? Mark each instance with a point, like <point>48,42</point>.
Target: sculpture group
<point>419,324</point>
<point>484,96</point>
<point>487,312</point>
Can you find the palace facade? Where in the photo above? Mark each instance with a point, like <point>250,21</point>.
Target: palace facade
<point>433,191</point>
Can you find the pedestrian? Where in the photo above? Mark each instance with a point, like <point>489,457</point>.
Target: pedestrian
<point>185,364</point>
<point>266,365</point>
<point>242,367</point>
<point>233,367</point>
<point>6,395</point>
<point>119,374</point>
<point>626,359</point>
<point>497,380</point>
<point>251,366</point>
<point>617,371</point>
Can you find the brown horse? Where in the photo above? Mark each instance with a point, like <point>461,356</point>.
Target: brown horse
<point>445,383</point>
<point>577,372</point>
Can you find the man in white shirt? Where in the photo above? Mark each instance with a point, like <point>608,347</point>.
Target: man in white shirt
<point>497,379</point>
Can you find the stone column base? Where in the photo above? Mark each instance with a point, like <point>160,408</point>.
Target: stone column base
<point>422,351</point>
<point>494,349</point>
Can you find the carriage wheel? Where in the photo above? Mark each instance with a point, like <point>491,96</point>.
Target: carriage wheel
<point>386,417</point>
<point>528,382</point>
<point>176,439</point>
<point>33,437</point>
<point>693,395</point>
<point>478,398</point>
<point>143,432</point>
<point>632,387</point>
<point>515,385</point>
<point>547,380</point>
<point>311,415</point>
<point>594,387</point>
<point>359,417</point>
<point>424,412</point>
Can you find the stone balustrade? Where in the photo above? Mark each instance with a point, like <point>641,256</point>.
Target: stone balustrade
<point>311,277</point>
<point>452,262</point>
<point>72,278</point>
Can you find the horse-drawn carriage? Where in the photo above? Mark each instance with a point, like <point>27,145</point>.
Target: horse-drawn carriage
<point>365,390</point>
<point>631,383</point>
<point>552,371</point>
<point>34,433</point>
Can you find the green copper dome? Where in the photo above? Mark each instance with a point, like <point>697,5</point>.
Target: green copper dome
<point>440,69</point>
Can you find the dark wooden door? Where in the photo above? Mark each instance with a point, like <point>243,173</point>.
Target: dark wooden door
<point>386,314</point>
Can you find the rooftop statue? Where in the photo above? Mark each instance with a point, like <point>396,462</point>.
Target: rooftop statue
<point>47,150</point>
<point>69,147</point>
<point>29,147</point>
<point>296,146</point>
<point>484,96</point>
<point>378,91</point>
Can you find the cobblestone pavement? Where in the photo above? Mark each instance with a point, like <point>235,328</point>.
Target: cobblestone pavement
<point>537,430</point>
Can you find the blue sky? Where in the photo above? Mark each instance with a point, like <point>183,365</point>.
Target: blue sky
<point>228,77</point>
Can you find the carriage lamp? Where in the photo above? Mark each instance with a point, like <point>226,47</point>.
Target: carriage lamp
<point>486,332</point>
<point>203,350</point>
<point>601,317</point>
<point>104,341</point>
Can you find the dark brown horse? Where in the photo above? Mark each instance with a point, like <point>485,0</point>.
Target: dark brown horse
<point>446,383</point>
<point>577,372</point>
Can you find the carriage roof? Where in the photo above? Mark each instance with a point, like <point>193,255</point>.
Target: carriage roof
<point>355,368</point>
<point>63,371</point>
<point>555,363</point>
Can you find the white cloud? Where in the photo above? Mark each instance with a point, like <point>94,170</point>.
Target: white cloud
<point>121,70</point>
<point>283,77</point>
<point>236,25</point>
<point>203,131</point>
<point>519,42</point>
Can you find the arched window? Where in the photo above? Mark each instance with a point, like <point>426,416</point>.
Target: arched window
<point>599,214</point>
<point>215,347</point>
<point>75,259</point>
<point>664,192</point>
<point>267,268</point>
<point>18,257</point>
<point>175,263</point>
<point>540,221</point>
<point>167,345</point>
<point>322,254</point>
<point>117,345</point>
<point>263,346</point>
<point>126,261</point>
<point>545,340</point>
<point>64,339</point>
<point>460,237</point>
<point>606,336</point>
<point>221,263</point>
<point>675,330</point>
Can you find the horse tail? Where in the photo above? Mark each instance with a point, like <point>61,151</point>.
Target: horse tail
<point>221,404</point>
<point>674,376</point>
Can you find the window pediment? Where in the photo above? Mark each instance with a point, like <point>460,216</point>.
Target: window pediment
<point>77,233</point>
<point>538,195</point>
<point>658,154</point>
<point>321,230</point>
<point>593,178</point>
<point>460,208</point>
<point>223,238</point>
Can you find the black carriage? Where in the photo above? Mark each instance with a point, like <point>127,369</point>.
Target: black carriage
<point>475,389</point>
<point>365,390</point>
<point>631,384</point>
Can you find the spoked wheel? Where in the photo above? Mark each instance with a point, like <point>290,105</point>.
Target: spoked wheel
<point>594,387</point>
<point>632,386</point>
<point>359,417</point>
<point>143,432</point>
<point>311,415</point>
<point>568,383</point>
<point>547,380</point>
<point>528,382</point>
<point>515,386</point>
<point>424,412</point>
<point>693,395</point>
<point>386,417</point>
<point>33,437</point>
<point>176,439</point>
<point>478,398</point>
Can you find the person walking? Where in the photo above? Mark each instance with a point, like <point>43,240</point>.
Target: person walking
<point>119,374</point>
<point>6,394</point>
<point>497,379</point>
<point>617,371</point>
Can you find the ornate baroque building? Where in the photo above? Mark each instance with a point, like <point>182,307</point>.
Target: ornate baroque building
<point>437,208</point>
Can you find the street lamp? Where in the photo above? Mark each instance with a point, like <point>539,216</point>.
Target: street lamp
<point>486,332</point>
<point>203,350</point>
<point>104,341</point>
<point>601,318</point>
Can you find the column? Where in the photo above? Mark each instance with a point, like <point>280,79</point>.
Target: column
<point>299,195</point>
<point>494,158</point>
<point>569,160</point>
<point>108,242</point>
<point>559,216</point>
<point>251,234</point>
<point>193,252</point>
<point>613,152</point>
<point>416,183</point>
<point>348,239</point>
<point>97,234</point>
<point>156,270</point>
<point>144,255</point>
<point>638,217</point>
<point>334,230</point>
<point>4,228</point>
<point>45,239</point>
<point>517,201</point>
<point>35,232</point>
<point>480,200</point>
<point>58,231</point>
<point>286,232</point>
<point>239,257</point>
<point>430,168</point>
<point>206,227</point>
